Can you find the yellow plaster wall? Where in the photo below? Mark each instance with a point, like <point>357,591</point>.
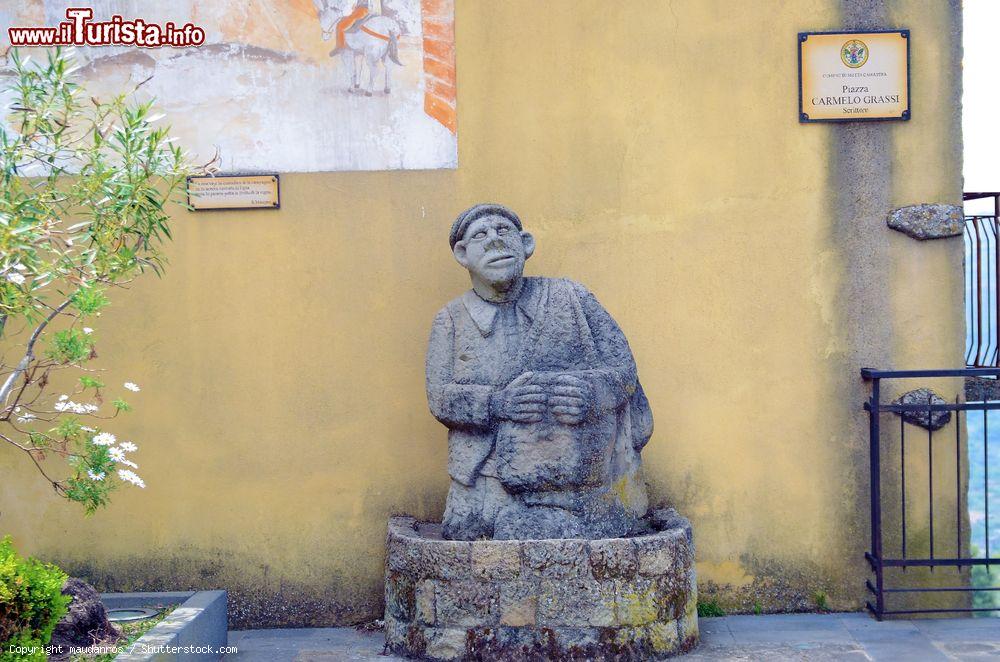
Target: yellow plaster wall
<point>654,150</point>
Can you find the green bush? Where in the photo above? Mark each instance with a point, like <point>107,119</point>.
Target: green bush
<point>31,603</point>
<point>710,609</point>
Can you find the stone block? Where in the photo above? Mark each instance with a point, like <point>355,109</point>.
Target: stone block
<point>423,599</point>
<point>668,518</point>
<point>613,558</point>
<point>465,603</point>
<point>934,420</point>
<point>402,554</point>
<point>423,558</point>
<point>446,559</point>
<point>638,601</point>
<point>518,603</point>
<point>648,641</point>
<point>514,643</point>
<point>577,602</point>
<point>403,637</point>
<point>556,558</point>
<point>399,599</point>
<point>395,630</point>
<point>687,630</point>
<point>495,559</point>
<point>928,221</point>
<point>663,553</point>
<point>445,643</point>
<point>578,643</point>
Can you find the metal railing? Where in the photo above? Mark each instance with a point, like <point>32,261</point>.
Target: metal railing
<point>932,552</point>
<point>982,265</point>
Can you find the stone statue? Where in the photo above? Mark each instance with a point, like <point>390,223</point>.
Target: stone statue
<point>546,550</point>
<point>538,388</point>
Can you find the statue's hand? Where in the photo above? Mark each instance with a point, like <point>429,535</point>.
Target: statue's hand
<point>570,399</point>
<point>520,401</point>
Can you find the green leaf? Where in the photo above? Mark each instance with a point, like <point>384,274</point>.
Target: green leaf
<point>91,382</point>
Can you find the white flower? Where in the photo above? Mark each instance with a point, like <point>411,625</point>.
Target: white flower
<point>87,330</point>
<point>27,417</point>
<point>130,477</point>
<point>75,407</point>
<point>116,454</point>
<point>95,476</point>
<point>128,446</point>
<point>17,410</point>
<point>128,463</point>
<point>104,439</point>
<point>132,387</point>
<point>15,278</point>
<point>63,397</point>
<point>86,429</point>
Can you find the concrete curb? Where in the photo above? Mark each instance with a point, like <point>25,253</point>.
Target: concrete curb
<point>195,630</point>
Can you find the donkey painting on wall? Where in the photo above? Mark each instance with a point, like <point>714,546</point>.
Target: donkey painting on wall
<point>363,36</point>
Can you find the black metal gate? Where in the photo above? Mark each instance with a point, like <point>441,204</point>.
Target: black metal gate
<point>951,553</point>
<point>982,272</point>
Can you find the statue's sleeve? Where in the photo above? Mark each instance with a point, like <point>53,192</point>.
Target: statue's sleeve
<point>617,374</point>
<point>455,405</point>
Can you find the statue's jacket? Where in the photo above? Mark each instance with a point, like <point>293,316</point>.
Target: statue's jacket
<point>564,329</point>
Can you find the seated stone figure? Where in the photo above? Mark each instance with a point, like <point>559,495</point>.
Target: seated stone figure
<point>538,388</point>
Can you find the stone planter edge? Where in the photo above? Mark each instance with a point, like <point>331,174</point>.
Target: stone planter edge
<point>198,621</point>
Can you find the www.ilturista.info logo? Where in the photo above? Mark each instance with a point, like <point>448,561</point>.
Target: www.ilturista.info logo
<point>79,30</point>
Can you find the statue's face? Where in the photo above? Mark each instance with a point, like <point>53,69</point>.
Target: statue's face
<point>494,250</point>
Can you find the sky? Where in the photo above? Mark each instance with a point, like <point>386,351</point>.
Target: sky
<point>981,95</point>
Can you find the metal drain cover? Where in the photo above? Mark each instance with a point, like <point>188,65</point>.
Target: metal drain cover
<point>123,615</point>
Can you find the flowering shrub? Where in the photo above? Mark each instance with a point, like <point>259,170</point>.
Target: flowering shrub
<point>31,604</point>
<point>83,186</point>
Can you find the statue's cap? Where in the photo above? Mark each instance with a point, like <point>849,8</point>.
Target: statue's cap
<point>476,212</point>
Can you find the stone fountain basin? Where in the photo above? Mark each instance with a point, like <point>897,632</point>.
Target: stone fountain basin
<point>629,598</point>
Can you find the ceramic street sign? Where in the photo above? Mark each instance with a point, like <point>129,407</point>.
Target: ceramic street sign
<point>854,76</point>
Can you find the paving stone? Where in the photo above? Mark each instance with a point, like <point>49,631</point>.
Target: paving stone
<point>715,632</point>
<point>960,629</point>
<point>893,641</point>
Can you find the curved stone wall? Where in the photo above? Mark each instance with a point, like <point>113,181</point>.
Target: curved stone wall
<point>621,598</point>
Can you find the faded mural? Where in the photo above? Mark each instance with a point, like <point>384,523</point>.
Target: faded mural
<point>287,85</point>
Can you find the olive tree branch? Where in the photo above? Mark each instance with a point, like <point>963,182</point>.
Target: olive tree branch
<point>29,353</point>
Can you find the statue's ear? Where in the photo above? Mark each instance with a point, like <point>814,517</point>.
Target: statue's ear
<point>529,244</point>
<point>459,252</point>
